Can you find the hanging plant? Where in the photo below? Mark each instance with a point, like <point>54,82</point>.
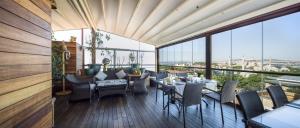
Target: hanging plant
<point>131,57</point>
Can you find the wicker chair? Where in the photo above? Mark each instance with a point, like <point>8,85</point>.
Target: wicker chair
<point>81,88</point>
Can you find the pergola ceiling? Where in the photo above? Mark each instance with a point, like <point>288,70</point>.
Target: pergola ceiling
<point>158,22</point>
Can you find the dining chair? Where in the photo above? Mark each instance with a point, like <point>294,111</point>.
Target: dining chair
<point>251,105</point>
<point>277,95</point>
<point>159,76</point>
<point>192,95</point>
<point>226,95</point>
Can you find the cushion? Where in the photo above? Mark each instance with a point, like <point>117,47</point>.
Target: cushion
<point>144,75</point>
<point>101,75</point>
<point>89,72</point>
<point>121,74</point>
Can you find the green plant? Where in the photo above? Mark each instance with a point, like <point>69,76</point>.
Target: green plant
<point>131,57</point>
<point>57,62</point>
<point>252,82</point>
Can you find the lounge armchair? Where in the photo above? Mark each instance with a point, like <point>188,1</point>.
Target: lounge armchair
<point>139,85</point>
<point>81,88</point>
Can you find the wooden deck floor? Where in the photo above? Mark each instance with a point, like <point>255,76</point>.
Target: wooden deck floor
<point>139,111</point>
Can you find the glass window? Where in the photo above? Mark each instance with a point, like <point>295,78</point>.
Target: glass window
<point>123,59</point>
<point>281,54</point>
<point>165,56</point>
<point>187,53</point>
<point>221,50</point>
<point>247,47</point>
<point>170,55</point>
<point>87,57</point>
<point>161,56</point>
<point>178,54</point>
<point>281,44</point>
<point>87,37</point>
<point>147,60</point>
<point>121,42</point>
<point>101,54</point>
<point>117,41</point>
<point>199,52</point>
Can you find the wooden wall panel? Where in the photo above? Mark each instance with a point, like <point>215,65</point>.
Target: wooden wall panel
<point>16,71</point>
<point>22,94</point>
<point>20,35</point>
<point>25,64</point>
<point>44,5</point>
<point>19,58</point>
<point>20,108</point>
<point>75,62</point>
<point>15,8</point>
<point>10,85</point>
<point>9,45</point>
<point>18,22</point>
<point>34,9</point>
<point>35,119</point>
<point>44,121</point>
<point>21,117</point>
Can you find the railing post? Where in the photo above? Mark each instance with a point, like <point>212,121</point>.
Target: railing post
<point>157,59</point>
<point>208,57</point>
<point>115,55</point>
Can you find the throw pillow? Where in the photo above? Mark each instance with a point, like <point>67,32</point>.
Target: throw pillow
<point>144,75</point>
<point>121,74</point>
<point>101,75</point>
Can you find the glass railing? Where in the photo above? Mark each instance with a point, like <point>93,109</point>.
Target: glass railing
<point>250,80</point>
<point>259,81</point>
<point>150,67</point>
<point>187,69</point>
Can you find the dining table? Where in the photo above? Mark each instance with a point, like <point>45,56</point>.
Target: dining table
<point>287,116</point>
<point>176,87</point>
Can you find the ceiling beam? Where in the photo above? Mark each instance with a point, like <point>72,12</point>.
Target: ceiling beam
<point>76,6</point>
<point>119,14</point>
<point>192,25</point>
<point>168,26</point>
<point>63,8</point>
<point>140,37</point>
<point>215,8</point>
<point>151,13</point>
<point>250,18</point>
<point>62,20</point>
<point>104,15</point>
<point>86,9</point>
<point>134,13</point>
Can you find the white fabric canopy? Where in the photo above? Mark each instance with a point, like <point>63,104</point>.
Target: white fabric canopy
<point>158,22</point>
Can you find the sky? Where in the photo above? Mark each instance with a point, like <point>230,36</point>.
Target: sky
<point>277,38</point>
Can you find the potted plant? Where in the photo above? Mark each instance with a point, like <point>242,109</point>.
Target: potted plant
<point>132,57</point>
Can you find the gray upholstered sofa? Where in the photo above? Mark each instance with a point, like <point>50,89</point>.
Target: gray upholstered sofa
<point>115,87</point>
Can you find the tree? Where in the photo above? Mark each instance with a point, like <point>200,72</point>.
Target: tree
<point>96,42</point>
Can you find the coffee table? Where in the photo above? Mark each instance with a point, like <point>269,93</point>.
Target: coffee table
<point>111,87</point>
